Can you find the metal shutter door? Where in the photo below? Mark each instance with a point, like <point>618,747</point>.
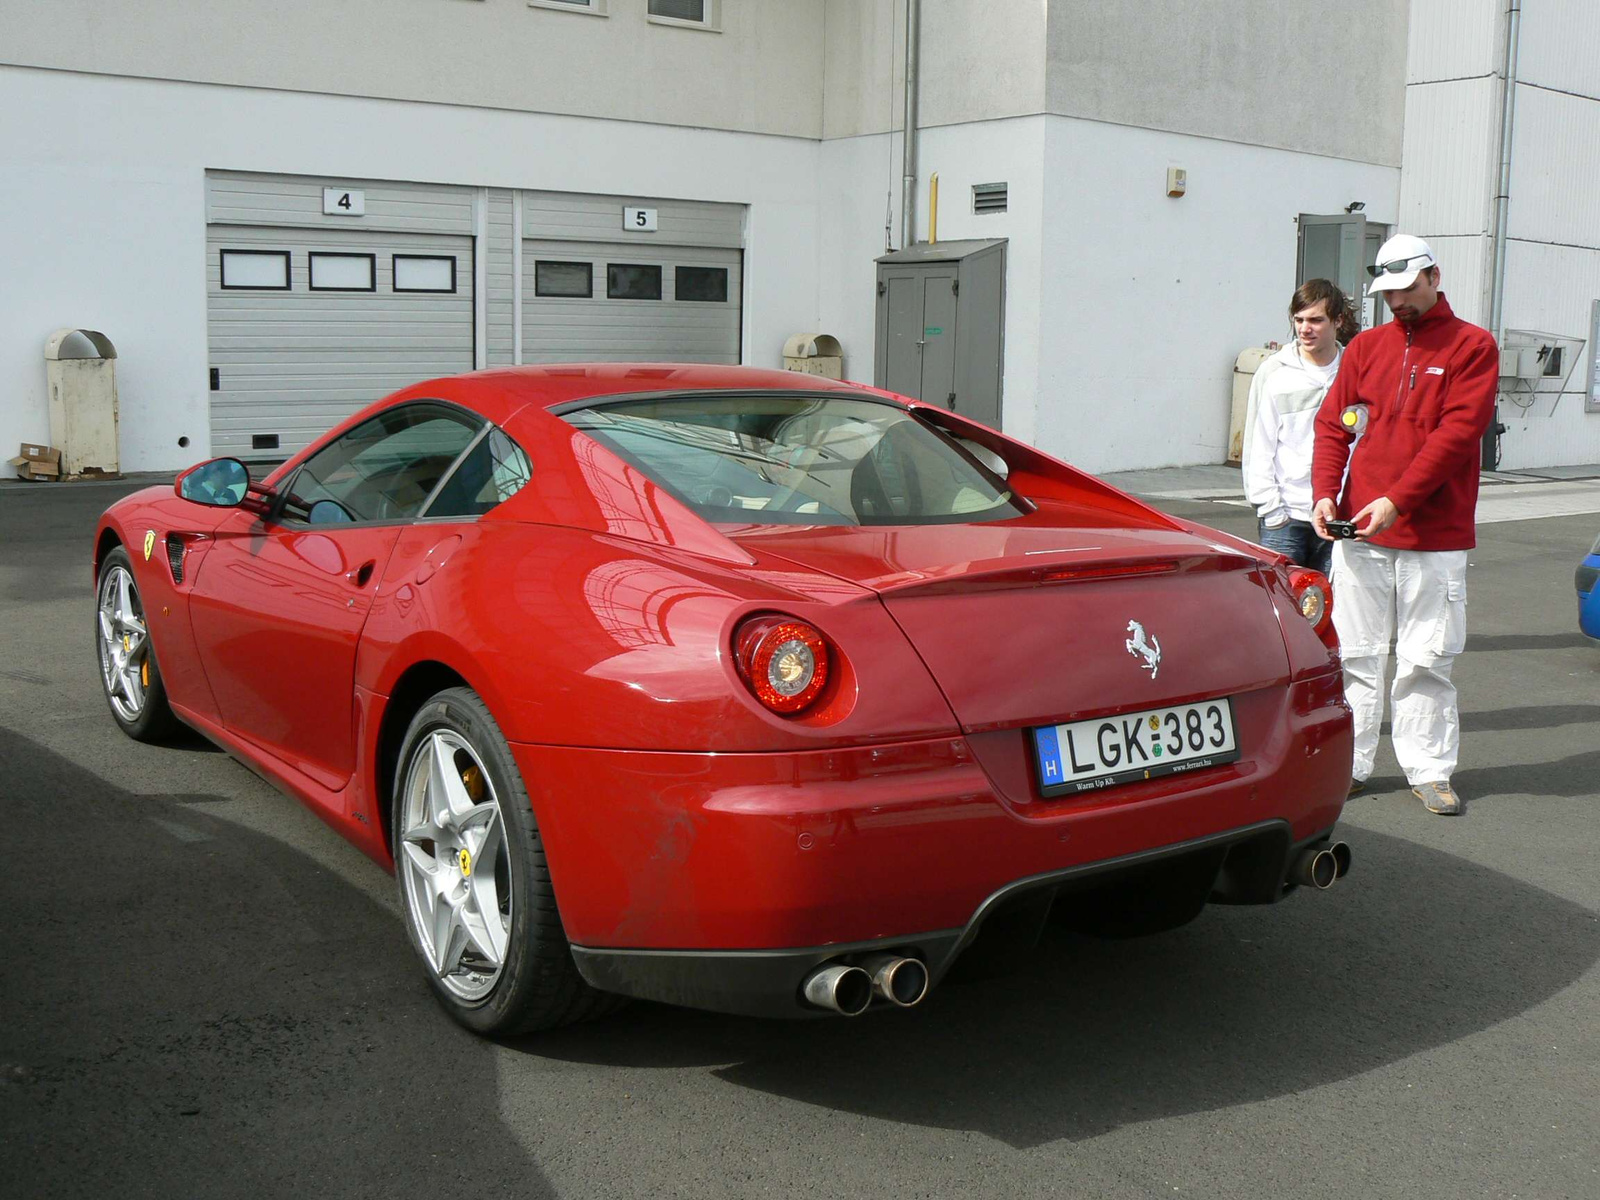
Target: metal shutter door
<point>294,363</point>
<point>596,329</point>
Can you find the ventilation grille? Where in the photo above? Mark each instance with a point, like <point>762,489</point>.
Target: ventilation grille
<point>175,556</point>
<point>988,198</point>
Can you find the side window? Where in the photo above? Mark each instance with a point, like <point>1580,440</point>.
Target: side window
<point>384,469</point>
<point>494,471</point>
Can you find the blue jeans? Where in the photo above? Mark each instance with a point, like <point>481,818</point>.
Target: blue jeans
<point>1300,542</point>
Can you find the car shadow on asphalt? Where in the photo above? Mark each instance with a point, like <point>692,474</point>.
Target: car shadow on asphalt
<point>1418,948</point>
<point>1525,641</point>
<point>1574,775</point>
<point>1533,716</point>
<point>189,1008</point>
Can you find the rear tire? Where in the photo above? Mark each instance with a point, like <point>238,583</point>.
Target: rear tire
<point>130,677</point>
<point>474,885</point>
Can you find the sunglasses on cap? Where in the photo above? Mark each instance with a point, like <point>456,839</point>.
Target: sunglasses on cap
<point>1399,266</point>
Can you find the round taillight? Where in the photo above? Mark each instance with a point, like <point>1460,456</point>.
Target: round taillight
<point>783,661</point>
<point>1313,596</point>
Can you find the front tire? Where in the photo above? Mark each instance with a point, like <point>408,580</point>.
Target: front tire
<point>474,884</point>
<point>129,673</point>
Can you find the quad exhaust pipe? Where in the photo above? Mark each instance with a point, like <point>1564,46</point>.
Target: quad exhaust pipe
<point>849,990</point>
<point>901,981</point>
<point>1321,866</point>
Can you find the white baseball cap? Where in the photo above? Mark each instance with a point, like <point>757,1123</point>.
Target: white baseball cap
<point>1400,260</point>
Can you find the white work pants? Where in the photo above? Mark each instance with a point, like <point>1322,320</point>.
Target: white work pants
<point>1419,598</point>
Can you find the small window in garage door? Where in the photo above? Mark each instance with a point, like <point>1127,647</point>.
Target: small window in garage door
<point>707,284</point>
<point>630,281</point>
<point>266,269</point>
<point>563,279</point>
<point>424,272</point>
<point>343,272</point>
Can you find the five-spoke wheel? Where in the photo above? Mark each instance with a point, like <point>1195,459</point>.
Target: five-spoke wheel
<point>128,668</point>
<point>474,885</point>
<point>453,864</point>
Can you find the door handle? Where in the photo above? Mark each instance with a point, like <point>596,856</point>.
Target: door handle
<point>361,574</point>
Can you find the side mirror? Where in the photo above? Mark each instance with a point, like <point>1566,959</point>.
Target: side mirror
<point>220,483</point>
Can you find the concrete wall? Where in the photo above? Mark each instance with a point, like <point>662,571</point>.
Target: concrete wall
<point>762,73</point>
<point>980,61</point>
<point>1553,247</point>
<point>1320,78</point>
<point>105,218</point>
<point>1147,300</point>
<point>857,175</point>
<point>1454,97</point>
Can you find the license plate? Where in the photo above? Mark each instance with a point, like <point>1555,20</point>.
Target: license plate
<point>1083,756</point>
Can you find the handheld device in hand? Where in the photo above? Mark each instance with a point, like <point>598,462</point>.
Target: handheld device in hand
<point>1341,529</point>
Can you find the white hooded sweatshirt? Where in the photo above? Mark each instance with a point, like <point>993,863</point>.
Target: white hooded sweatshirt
<point>1278,435</point>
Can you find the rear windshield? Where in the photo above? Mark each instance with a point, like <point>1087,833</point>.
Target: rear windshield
<point>799,460</point>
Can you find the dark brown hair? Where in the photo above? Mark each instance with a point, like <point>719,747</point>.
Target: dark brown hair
<point>1338,307</point>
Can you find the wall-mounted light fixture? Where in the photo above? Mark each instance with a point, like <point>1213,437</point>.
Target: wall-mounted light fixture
<point>1355,206</point>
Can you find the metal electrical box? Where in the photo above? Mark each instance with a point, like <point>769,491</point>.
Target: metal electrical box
<point>81,370</point>
<point>941,325</point>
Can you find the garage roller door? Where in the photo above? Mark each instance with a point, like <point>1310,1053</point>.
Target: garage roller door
<point>290,359</point>
<point>632,302</point>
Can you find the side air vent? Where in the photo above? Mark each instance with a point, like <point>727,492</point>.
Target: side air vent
<point>175,556</point>
<point>989,198</point>
<point>263,441</point>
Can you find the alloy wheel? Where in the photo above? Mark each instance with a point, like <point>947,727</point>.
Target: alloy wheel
<point>124,644</point>
<point>454,864</point>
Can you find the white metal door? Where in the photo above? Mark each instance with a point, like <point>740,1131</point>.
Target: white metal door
<point>307,325</point>
<point>629,302</point>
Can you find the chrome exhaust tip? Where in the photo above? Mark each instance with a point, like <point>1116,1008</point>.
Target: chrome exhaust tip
<point>901,981</point>
<point>1341,859</point>
<point>1316,866</point>
<point>840,989</point>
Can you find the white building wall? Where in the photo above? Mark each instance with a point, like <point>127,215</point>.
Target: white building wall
<point>1454,99</point>
<point>761,72</point>
<point>1147,300</point>
<point>1315,78</point>
<point>105,215</point>
<point>1553,244</point>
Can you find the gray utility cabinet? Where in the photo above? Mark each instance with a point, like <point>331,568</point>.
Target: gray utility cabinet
<point>941,322</point>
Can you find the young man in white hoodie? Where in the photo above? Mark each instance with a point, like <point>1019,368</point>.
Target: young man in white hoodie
<point>1284,398</point>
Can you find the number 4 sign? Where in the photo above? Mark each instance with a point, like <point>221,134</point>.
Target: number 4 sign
<point>343,202</point>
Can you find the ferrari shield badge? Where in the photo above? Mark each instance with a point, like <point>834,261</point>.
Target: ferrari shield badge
<point>1145,646</point>
<point>149,543</point>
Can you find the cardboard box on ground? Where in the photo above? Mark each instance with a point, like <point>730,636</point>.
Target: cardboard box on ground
<point>38,462</point>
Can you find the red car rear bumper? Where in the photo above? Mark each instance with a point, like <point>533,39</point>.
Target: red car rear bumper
<point>696,853</point>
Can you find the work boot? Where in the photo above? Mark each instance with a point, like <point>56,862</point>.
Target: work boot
<point>1438,797</point>
<point>1357,786</point>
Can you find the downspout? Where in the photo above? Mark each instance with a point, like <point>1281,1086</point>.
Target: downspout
<point>1502,204</point>
<point>908,179</point>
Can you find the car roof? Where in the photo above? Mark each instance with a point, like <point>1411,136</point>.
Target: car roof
<point>500,391</point>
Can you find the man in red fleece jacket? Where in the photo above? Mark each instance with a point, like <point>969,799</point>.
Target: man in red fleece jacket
<point>1414,397</point>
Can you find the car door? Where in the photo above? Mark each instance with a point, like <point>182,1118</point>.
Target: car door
<point>280,605</point>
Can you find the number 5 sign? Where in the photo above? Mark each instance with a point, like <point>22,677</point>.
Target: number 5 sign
<point>639,220</point>
<point>343,202</point>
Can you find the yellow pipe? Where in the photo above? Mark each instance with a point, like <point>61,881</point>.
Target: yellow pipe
<point>933,207</point>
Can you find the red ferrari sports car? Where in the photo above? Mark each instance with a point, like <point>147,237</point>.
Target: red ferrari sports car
<point>732,688</point>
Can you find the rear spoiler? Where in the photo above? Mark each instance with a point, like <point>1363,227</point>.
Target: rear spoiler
<point>1038,476</point>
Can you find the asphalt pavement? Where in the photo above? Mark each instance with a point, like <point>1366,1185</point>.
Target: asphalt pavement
<point>205,992</point>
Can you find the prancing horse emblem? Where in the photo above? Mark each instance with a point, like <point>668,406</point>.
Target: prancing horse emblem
<point>1141,645</point>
